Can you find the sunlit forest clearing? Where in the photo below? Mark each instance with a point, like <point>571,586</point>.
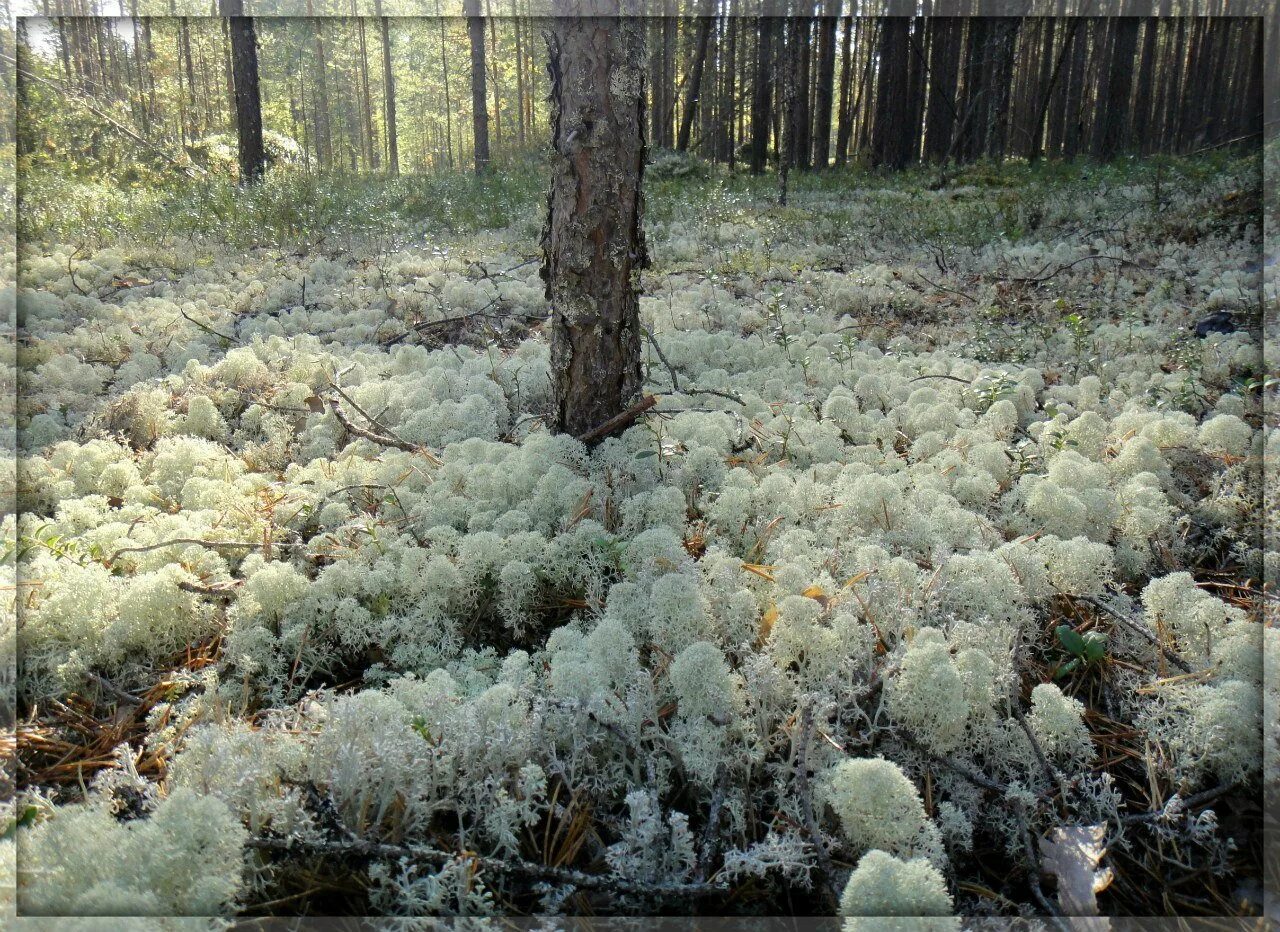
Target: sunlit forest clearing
<point>921,572</point>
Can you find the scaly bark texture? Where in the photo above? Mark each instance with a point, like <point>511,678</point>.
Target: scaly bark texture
<point>592,243</point>
<point>244,67</point>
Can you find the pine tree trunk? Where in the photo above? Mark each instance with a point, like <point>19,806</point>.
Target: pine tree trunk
<point>593,243</point>
<point>389,92</point>
<point>694,89</point>
<point>371,150</point>
<point>448,103</point>
<point>761,108</point>
<point>1142,104</point>
<point>844,128</point>
<point>1113,133</point>
<point>244,71</point>
<point>889,134</point>
<point>826,79</point>
<point>944,72</point>
<point>479,111</point>
<point>324,139</point>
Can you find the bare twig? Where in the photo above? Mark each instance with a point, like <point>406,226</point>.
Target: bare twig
<point>207,329</point>
<point>707,850</point>
<point>1040,276</point>
<point>671,370</point>
<point>225,591</point>
<point>932,284</point>
<point>804,732</point>
<point>539,873</point>
<point>186,541</point>
<point>1191,802</point>
<point>115,690</point>
<point>1136,628</point>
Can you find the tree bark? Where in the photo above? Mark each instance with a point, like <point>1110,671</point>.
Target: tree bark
<point>826,79</point>
<point>694,90</point>
<point>760,95</point>
<point>244,71</point>
<point>593,243</point>
<point>389,92</point>
<point>479,111</point>
<point>1113,130</point>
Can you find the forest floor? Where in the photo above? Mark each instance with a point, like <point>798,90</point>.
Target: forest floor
<point>942,541</point>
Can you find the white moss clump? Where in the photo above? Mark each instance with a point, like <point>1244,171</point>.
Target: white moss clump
<point>1176,607</point>
<point>928,693</point>
<point>1057,721</point>
<point>878,807</point>
<point>1226,434</point>
<point>184,859</point>
<point>884,887</point>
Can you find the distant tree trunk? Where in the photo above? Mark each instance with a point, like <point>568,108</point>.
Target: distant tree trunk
<point>448,103</point>
<point>479,112</point>
<point>1142,102</point>
<point>1048,91</point>
<point>1073,117</point>
<point>944,72</point>
<point>244,70</point>
<point>324,138</point>
<point>1112,136</point>
<point>790,77</point>
<point>844,120</point>
<point>890,134</point>
<point>389,92</point>
<point>593,243</point>
<point>497,83</point>
<point>761,96</point>
<point>520,81</point>
<point>802,150</point>
<point>1001,82</point>
<point>728,87</point>
<point>371,149</point>
<point>184,34</point>
<point>694,90</point>
<point>826,79</point>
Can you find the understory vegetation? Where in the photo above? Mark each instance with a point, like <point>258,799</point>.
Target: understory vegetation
<point>939,551</point>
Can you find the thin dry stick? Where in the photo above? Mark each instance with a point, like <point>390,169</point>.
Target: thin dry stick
<point>801,747</point>
<point>538,873</point>
<point>1136,628</point>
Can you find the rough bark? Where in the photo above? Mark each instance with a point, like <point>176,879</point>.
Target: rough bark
<point>244,71</point>
<point>761,95</point>
<point>826,79</point>
<point>694,90</point>
<point>1113,134</point>
<point>592,242</point>
<point>479,106</point>
<point>389,92</point>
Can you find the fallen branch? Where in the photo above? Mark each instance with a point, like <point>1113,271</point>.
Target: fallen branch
<point>384,440</point>
<point>963,770</point>
<point>933,284</point>
<point>1191,802</point>
<point>1136,628</point>
<point>539,873</point>
<point>207,329</point>
<point>115,690</point>
<point>1039,278</point>
<point>618,421</point>
<point>185,541</point>
<point>226,591</point>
